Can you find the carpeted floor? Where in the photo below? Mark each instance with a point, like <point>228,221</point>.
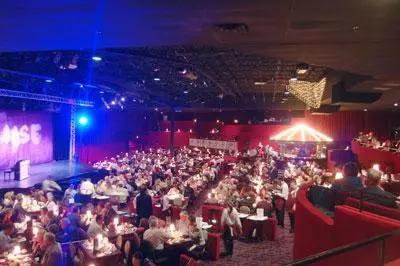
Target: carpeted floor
<point>265,253</point>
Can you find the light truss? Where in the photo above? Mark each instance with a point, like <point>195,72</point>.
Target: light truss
<point>44,98</point>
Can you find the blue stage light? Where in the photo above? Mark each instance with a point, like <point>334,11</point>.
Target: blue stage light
<point>83,120</point>
<point>96,58</point>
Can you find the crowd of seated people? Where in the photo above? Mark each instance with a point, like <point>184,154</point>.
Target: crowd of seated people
<point>371,140</point>
<point>91,210</point>
<point>368,187</point>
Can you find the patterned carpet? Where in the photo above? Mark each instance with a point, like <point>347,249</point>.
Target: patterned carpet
<point>265,253</point>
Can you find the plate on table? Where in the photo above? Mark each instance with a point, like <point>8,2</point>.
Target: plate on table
<point>257,218</point>
<point>243,215</point>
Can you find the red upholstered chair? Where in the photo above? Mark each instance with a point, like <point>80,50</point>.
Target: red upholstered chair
<point>213,245</point>
<point>210,212</point>
<point>270,229</point>
<point>156,210</point>
<point>131,206</point>
<point>176,211</point>
<point>188,261</point>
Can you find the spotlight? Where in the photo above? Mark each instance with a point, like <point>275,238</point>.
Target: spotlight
<point>365,109</point>
<point>122,107</point>
<point>83,120</point>
<point>101,92</point>
<point>137,137</point>
<point>190,130</point>
<point>195,120</point>
<point>156,79</point>
<point>396,104</point>
<point>185,91</point>
<point>123,99</point>
<point>156,109</point>
<point>48,81</point>
<point>235,121</point>
<point>113,102</point>
<point>96,58</point>
<point>108,107</point>
<point>217,120</point>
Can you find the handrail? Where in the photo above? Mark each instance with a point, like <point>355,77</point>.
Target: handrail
<point>348,247</point>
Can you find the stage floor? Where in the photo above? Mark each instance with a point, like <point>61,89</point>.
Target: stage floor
<point>57,171</point>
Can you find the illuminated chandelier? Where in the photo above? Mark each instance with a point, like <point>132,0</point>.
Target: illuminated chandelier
<point>308,92</point>
<point>301,133</point>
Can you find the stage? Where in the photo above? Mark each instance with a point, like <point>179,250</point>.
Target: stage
<point>63,172</point>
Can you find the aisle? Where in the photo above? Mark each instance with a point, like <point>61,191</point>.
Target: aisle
<point>265,253</point>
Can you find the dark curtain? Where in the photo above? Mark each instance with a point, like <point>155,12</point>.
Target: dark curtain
<point>61,133</point>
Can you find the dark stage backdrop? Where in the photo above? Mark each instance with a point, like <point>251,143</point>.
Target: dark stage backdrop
<point>25,136</point>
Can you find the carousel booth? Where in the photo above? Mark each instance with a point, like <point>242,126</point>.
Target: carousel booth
<point>302,142</point>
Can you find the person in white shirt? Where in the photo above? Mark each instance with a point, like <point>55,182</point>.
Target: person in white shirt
<point>156,236</point>
<point>230,221</point>
<point>280,202</point>
<point>86,187</point>
<point>95,228</point>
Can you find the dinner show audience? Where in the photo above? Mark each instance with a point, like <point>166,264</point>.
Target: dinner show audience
<point>143,185</point>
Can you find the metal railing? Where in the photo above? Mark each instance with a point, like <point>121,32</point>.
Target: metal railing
<point>349,247</point>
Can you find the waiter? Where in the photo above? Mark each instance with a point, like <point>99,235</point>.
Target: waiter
<point>281,197</point>
<point>231,224</point>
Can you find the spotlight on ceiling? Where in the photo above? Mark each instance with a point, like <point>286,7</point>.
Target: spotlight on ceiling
<point>185,91</point>
<point>396,104</point>
<point>96,58</point>
<point>101,92</point>
<point>48,81</point>
<point>365,109</point>
<point>113,102</point>
<point>235,121</point>
<point>156,79</point>
<point>123,99</point>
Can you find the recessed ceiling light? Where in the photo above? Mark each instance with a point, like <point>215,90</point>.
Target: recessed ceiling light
<point>113,102</point>
<point>48,81</point>
<point>156,79</point>
<point>123,99</point>
<point>260,83</point>
<point>235,121</point>
<point>396,104</point>
<point>108,107</point>
<point>185,91</point>
<point>101,92</point>
<point>96,58</point>
<point>365,110</point>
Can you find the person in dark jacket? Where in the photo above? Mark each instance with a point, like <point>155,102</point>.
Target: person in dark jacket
<point>144,206</point>
<point>376,194</point>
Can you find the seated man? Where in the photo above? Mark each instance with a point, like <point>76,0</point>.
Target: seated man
<point>376,194</point>
<point>69,233</point>
<point>5,237</point>
<point>156,236</point>
<point>53,255</point>
<point>96,227</point>
<point>350,182</point>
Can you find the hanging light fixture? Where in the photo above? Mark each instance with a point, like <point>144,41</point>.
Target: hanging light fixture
<point>308,92</point>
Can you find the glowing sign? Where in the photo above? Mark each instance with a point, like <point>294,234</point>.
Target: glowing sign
<point>15,136</point>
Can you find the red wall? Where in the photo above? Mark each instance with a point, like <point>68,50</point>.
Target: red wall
<point>341,126</point>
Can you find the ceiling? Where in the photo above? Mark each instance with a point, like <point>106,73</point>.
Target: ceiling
<point>225,46</point>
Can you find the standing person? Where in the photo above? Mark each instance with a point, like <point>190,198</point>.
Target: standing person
<point>280,202</point>
<point>5,237</point>
<point>291,205</point>
<point>231,223</point>
<point>144,206</point>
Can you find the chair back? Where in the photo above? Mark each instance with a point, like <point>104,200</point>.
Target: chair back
<point>244,209</point>
<point>147,249</point>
